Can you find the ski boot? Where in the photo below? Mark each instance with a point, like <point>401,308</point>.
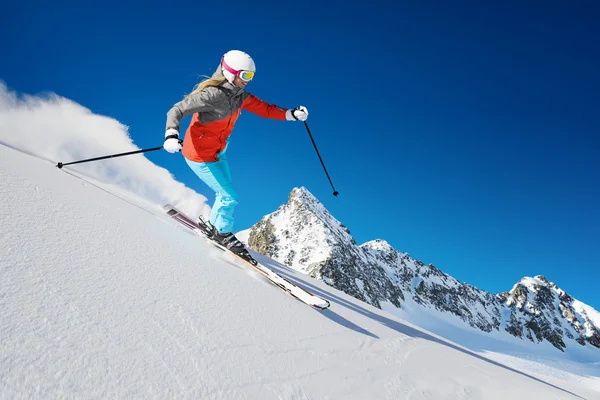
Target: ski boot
<point>226,240</point>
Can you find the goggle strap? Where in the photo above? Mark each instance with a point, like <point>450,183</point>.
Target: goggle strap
<point>233,71</point>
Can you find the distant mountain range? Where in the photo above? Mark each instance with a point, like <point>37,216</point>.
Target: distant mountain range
<point>304,235</point>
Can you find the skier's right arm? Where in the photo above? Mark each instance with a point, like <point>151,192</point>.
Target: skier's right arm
<point>189,105</point>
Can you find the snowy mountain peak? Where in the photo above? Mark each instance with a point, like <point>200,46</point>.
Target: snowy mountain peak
<point>381,250</point>
<point>540,310</point>
<point>538,280</point>
<point>379,245</point>
<point>302,194</point>
<point>303,234</point>
<point>303,219</point>
<point>304,201</point>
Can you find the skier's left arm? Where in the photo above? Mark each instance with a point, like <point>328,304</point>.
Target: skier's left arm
<point>266,110</point>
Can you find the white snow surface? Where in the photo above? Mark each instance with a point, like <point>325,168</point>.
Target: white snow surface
<point>103,296</point>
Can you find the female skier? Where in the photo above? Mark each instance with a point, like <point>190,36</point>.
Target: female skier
<point>216,104</point>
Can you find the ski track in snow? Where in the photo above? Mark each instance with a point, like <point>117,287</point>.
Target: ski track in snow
<point>100,299</point>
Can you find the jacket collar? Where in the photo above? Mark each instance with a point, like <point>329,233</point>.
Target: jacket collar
<point>234,90</point>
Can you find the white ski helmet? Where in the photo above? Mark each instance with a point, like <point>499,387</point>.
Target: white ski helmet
<point>235,61</point>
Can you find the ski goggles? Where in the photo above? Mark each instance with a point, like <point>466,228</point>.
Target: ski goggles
<point>246,76</point>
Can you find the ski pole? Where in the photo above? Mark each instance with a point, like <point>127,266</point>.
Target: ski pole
<point>335,193</point>
<point>60,165</point>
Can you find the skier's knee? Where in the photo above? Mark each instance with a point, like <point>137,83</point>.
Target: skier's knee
<point>227,200</point>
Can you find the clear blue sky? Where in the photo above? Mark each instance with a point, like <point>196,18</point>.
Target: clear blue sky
<point>465,134</point>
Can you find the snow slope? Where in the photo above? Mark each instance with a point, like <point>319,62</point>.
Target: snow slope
<point>106,298</point>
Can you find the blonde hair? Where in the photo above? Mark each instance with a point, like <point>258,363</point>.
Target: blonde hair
<point>215,80</point>
<point>206,83</point>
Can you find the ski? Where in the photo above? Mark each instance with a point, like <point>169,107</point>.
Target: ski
<point>282,283</point>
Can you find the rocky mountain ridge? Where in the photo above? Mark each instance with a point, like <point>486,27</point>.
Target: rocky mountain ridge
<point>304,235</point>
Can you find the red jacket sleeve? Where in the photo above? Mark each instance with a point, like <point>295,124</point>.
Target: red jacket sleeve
<point>263,109</point>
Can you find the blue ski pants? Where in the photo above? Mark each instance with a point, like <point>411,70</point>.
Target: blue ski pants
<point>217,176</point>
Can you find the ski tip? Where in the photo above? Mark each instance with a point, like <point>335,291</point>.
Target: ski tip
<point>321,306</point>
